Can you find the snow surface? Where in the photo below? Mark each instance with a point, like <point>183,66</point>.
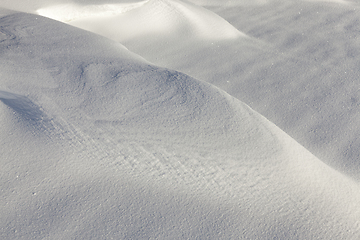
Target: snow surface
<point>98,143</point>
<point>162,21</point>
<point>294,62</point>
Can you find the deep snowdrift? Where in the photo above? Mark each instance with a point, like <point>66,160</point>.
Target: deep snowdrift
<point>98,143</point>
<point>296,64</point>
<point>164,21</point>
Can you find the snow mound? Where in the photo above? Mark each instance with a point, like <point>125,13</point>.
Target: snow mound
<point>161,19</point>
<point>72,11</point>
<point>137,151</point>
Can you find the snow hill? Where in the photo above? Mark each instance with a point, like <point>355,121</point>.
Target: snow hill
<point>163,21</point>
<point>97,142</point>
<point>295,62</point>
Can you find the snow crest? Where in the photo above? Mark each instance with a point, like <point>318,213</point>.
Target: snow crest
<point>169,19</point>
<point>138,151</point>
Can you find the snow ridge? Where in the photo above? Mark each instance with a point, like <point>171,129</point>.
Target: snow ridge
<point>72,12</point>
<point>138,151</point>
<point>169,19</point>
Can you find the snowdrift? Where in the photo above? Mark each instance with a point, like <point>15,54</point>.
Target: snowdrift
<point>96,142</point>
<point>296,63</point>
<point>164,21</point>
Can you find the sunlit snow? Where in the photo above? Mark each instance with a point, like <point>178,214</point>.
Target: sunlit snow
<point>135,120</point>
<point>72,11</point>
<point>163,20</point>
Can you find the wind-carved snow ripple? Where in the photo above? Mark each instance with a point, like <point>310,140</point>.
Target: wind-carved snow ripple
<point>26,109</point>
<point>147,159</point>
<point>150,160</point>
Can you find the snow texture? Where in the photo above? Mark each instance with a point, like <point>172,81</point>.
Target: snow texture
<point>296,63</point>
<point>98,143</point>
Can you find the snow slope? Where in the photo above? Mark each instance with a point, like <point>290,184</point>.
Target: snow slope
<point>308,85</point>
<point>96,142</point>
<point>295,62</point>
<point>163,21</point>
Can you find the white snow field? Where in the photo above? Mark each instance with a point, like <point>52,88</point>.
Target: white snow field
<point>295,62</point>
<point>98,143</point>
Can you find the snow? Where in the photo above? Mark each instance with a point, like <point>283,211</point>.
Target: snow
<point>162,21</point>
<point>295,63</point>
<point>99,142</point>
<point>72,11</point>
